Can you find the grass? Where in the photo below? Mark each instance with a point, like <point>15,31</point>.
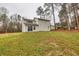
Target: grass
<point>39,43</point>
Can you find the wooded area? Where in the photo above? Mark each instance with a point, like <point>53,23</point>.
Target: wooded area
<point>9,23</point>
<point>68,14</point>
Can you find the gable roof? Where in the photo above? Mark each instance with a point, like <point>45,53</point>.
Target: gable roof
<point>29,22</point>
<point>42,19</point>
<point>25,19</point>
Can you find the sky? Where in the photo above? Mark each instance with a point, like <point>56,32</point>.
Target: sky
<point>27,10</point>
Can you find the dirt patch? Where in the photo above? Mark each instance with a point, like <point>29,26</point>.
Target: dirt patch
<point>54,44</point>
<point>69,51</point>
<point>55,53</point>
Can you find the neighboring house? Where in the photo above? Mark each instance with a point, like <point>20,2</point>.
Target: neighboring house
<point>36,24</point>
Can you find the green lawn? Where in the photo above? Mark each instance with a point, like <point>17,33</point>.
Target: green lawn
<point>39,43</point>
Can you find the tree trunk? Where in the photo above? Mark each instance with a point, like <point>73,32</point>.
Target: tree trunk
<point>53,15</point>
<point>77,18</point>
<point>68,16</point>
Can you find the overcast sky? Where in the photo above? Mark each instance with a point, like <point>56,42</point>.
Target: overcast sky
<point>27,10</point>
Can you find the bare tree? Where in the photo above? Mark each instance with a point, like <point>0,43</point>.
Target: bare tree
<point>53,7</point>
<point>74,7</point>
<point>65,14</point>
<point>4,18</point>
<point>16,22</point>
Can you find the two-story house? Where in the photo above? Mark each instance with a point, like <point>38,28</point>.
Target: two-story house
<point>36,24</point>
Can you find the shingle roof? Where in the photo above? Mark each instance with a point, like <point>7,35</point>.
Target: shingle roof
<point>27,19</point>
<point>42,19</point>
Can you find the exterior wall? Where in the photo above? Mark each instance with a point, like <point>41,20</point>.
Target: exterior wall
<point>44,25</point>
<point>36,28</point>
<point>24,28</point>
